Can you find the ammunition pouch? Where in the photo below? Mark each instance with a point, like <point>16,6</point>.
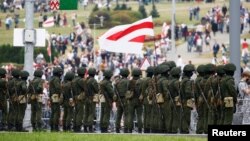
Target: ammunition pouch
<point>102,98</point>
<point>22,99</point>
<point>228,102</point>
<point>71,102</point>
<point>159,98</point>
<point>96,98</point>
<point>177,101</point>
<point>149,100</point>
<point>15,98</point>
<point>39,98</point>
<point>129,94</point>
<point>190,103</point>
<point>200,101</point>
<point>141,97</point>
<point>81,96</point>
<point>55,98</point>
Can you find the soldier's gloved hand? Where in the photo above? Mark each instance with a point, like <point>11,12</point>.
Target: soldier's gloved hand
<point>115,98</point>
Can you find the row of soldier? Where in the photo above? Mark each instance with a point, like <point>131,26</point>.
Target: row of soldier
<point>161,102</point>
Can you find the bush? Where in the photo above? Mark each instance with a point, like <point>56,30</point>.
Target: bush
<point>10,54</point>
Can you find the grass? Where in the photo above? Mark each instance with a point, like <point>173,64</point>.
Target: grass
<point>91,137</point>
<point>164,8</point>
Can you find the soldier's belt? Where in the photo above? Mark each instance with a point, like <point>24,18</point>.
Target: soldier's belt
<point>228,102</point>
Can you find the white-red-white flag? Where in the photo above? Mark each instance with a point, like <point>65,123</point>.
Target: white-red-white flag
<point>127,38</point>
<point>49,22</point>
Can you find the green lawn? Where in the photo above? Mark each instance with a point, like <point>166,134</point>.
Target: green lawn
<point>164,8</point>
<point>92,137</point>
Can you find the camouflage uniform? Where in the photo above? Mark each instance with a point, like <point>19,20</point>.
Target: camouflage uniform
<point>35,91</point>
<point>122,88</point>
<point>165,106</point>
<point>13,98</point>
<point>201,99</point>
<point>68,101</point>
<point>210,94</point>
<point>229,94</point>
<point>134,105</point>
<point>175,109</point>
<point>218,100</point>
<point>55,96</point>
<point>187,98</point>
<point>79,91</point>
<point>148,90</point>
<point>3,99</point>
<point>90,105</point>
<point>22,100</point>
<point>106,107</point>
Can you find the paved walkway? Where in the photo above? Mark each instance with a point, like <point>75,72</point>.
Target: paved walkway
<point>206,56</point>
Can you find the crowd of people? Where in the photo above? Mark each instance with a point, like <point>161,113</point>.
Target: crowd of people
<point>160,102</point>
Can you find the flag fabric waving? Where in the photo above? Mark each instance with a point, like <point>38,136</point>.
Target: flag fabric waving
<point>49,22</point>
<point>127,38</point>
<point>63,4</point>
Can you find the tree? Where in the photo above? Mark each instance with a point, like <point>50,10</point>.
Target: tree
<point>142,10</point>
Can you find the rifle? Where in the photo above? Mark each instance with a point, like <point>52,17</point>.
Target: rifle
<point>116,92</point>
<point>203,96</point>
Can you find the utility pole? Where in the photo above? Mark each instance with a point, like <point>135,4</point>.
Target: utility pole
<point>29,46</point>
<point>234,27</point>
<point>173,27</point>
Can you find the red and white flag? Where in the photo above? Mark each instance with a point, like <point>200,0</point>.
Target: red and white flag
<point>49,22</point>
<point>127,38</point>
<point>54,4</point>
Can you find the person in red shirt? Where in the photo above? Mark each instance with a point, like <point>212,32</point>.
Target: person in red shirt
<point>245,48</point>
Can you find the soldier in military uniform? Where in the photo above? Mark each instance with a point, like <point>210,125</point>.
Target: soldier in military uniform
<point>148,90</point>
<point>210,94</point>
<point>201,99</point>
<point>134,105</point>
<point>68,101</point>
<point>175,105</point>
<point>228,94</point>
<point>121,87</point>
<point>13,99</point>
<point>187,97</point>
<point>107,94</point>
<point>91,100</point>
<point>3,99</point>
<point>35,96</point>
<point>22,100</point>
<point>79,91</point>
<point>163,98</point>
<point>56,98</point>
<point>216,84</point>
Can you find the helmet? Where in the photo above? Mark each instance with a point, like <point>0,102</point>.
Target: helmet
<point>108,73</point>
<point>150,69</point>
<point>201,69</point>
<point>124,72</point>
<point>210,68</point>
<point>229,67</point>
<point>69,76</point>
<point>189,68</point>
<point>171,64</point>
<point>136,72</point>
<point>176,71</point>
<point>38,73</point>
<point>24,74</point>
<point>58,70</point>
<point>15,73</point>
<point>2,72</point>
<point>220,69</point>
<point>163,68</point>
<point>92,71</point>
<point>81,71</point>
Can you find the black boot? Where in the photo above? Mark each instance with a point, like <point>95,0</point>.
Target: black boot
<point>56,128</point>
<point>146,130</point>
<point>77,129</point>
<point>85,129</point>
<point>91,129</point>
<point>139,130</point>
<point>117,130</point>
<point>129,130</point>
<point>125,130</point>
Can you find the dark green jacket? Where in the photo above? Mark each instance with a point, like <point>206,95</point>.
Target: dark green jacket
<point>187,89</point>
<point>107,89</point>
<point>228,88</point>
<point>55,86</point>
<point>3,89</point>
<point>92,86</point>
<point>78,85</point>
<point>122,86</point>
